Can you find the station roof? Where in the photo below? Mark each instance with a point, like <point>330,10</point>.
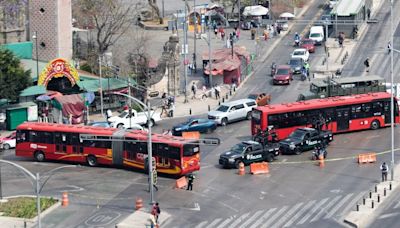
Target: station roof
<point>347,8</point>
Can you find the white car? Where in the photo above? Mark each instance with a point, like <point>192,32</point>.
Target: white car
<point>301,53</point>
<point>125,120</point>
<point>232,111</point>
<point>8,142</point>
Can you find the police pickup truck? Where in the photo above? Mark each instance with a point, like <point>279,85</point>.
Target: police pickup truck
<point>248,152</point>
<point>303,139</point>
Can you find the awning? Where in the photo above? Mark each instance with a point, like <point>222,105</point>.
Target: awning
<point>255,11</point>
<point>33,90</point>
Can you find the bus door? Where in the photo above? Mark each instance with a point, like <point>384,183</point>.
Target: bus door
<point>342,118</point>
<point>386,111</point>
<point>162,151</point>
<point>77,144</point>
<point>118,148</point>
<point>60,140</point>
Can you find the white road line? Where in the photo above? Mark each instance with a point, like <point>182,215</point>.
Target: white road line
<point>224,223</point>
<point>214,223</point>
<point>339,205</point>
<point>276,215</point>
<point>287,215</point>
<point>248,221</point>
<point>313,210</point>
<point>239,220</point>
<point>166,222</point>
<point>297,215</point>
<point>352,203</point>
<point>323,209</point>
<point>202,224</point>
<point>266,215</point>
<point>397,205</point>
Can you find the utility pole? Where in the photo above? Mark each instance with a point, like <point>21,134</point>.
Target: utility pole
<point>194,37</point>
<point>185,53</point>
<point>209,51</point>
<point>391,90</point>
<point>239,14</point>
<point>101,88</point>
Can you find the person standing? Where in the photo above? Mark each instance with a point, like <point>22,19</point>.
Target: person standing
<point>366,64</point>
<point>217,92</point>
<point>384,170</point>
<point>191,178</point>
<point>307,68</point>
<point>237,33</point>
<point>194,89</point>
<point>389,47</point>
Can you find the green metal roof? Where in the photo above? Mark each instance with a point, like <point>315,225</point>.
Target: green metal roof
<point>33,90</point>
<point>22,50</point>
<point>347,7</point>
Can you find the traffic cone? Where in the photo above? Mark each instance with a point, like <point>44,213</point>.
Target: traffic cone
<point>139,203</point>
<point>241,169</point>
<point>321,161</point>
<point>64,201</point>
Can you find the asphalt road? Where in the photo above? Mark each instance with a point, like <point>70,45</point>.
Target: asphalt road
<point>296,193</point>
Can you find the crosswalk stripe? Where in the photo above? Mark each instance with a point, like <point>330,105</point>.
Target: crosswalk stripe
<point>276,215</point>
<point>215,222</point>
<point>397,205</point>
<point>239,220</point>
<point>266,215</point>
<point>339,205</point>
<point>352,203</point>
<point>287,215</point>
<point>323,209</point>
<point>224,223</point>
<point>250,220</point>
<point>202,224</point>
<point>313,210</point>
<point>297,215</point>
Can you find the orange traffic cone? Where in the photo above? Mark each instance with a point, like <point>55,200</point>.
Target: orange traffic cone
<point>241,169</point>
<point>64,201</point>
<point>139,203</point>
<point>321,161</point>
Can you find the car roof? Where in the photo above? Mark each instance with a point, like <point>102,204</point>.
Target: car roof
<point>283,67</point>
<point>306,129</point>
<point>236,102</point>
<point>296,58</point>
<point>250,142</point>
<point>300,49</point>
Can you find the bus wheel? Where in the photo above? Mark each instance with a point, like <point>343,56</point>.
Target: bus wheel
<point>375,125</point>
<point>91,160</point>
<point>39,156</point>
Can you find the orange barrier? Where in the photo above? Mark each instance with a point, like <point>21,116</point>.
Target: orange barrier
<point>181,182</point>
<point>64,200</point>
<point>191,135</point>
<point>242,171</point>
<point>259,168</point>
<point>321,161</point>
<point>367,158</point>
<point>139,203</point>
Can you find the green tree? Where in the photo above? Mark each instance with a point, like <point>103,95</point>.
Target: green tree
<point>13,78</point>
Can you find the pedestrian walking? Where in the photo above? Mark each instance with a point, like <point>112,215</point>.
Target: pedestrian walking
<point>108,113</point>
<point>307,68</point>
<point>341,39</point>
<point>366,64</point>
<point>194,89</point>
<point>157,211</point>
<point>154,185</point>
<point>191,178</point>
<point>384,170</point>
<point>389,47</point>
<point>217,92</point>
<point>215,30</point>
<point>237,32</point>
<point>222,35</point>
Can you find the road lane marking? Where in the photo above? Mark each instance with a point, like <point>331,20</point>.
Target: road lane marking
<point>351,204</point>
<point>313,210</point>
<point>248,221</point>
<point>266,215</point>
<point>276,215</point>
<point>286,216</point>
<point>397,205</point>
<point>340,204</point>
<point>202,224</point>
<point>239,220</point>
<point>224,223</point>
<point>388,215</point>
<point>323,209</point>
<point>226,205</point>
<point>297,215</point>
<point>215,222</point>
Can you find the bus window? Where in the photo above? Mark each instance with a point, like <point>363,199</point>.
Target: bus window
<point>174,153</point>
<point>33,137</point>
<point>190,150</point>
<point>21,136</point>
<point>256,116</point>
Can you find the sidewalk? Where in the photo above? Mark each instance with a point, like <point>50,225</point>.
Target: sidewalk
<point>141,218</point>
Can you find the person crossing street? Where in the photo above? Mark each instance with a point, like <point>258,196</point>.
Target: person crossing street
<point>366,64</point>
<point>385,170</point>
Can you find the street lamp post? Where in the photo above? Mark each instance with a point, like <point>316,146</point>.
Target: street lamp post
<point>149,140</point>
<point>38,187</point>
<point>391,90</point>
<point>101,88</point>
<point>35,37</point>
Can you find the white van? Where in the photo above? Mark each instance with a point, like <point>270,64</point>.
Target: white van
<point>317,34</point>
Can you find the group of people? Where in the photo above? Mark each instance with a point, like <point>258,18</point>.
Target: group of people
<point>168,105</point>
<point>205,94</point>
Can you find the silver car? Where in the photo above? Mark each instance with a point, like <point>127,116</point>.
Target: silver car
<point>232,111</point>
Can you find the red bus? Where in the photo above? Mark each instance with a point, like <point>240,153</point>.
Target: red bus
<point>341,114</point>
<point>106,146</point>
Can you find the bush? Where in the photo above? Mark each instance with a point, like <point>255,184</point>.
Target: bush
<point>25,207</point>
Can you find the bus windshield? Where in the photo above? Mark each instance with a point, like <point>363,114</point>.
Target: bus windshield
<point>190,150</point>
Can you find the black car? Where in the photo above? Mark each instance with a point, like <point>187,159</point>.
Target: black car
<point>296,64</point>
<point>303,139</point>
<point>248,152</point>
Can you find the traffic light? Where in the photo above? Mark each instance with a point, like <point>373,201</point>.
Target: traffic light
<point>154,176</point>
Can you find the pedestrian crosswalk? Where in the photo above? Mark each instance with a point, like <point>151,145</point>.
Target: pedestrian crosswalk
<point>301,213</point>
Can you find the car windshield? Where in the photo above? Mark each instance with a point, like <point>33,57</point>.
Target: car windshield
<point>122,115</point>
<point>315,35</point>
<point>294,62</point>
<point>298,53</point>
<point>239,148</point>
<point>223,108</point>
<point>252,96</point>
<point>308,41</point>
<point>282,71</point>
<point>297,134</point>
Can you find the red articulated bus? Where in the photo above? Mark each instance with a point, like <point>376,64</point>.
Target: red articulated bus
<point>106,146</point>
<point>341,114</point>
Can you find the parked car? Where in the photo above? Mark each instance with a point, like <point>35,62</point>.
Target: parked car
<point>308,44</point>
<point>125,119</point>
<point>301,53</point>
<point>296,64</point>
<point>232,111</point>
<point>8,141</point>
<point>283,24</point>
<point>200,125</point>
<point>260,98</point>
<point>283,75</point>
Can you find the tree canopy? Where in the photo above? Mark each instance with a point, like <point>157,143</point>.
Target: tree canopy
<point>13,78</point>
